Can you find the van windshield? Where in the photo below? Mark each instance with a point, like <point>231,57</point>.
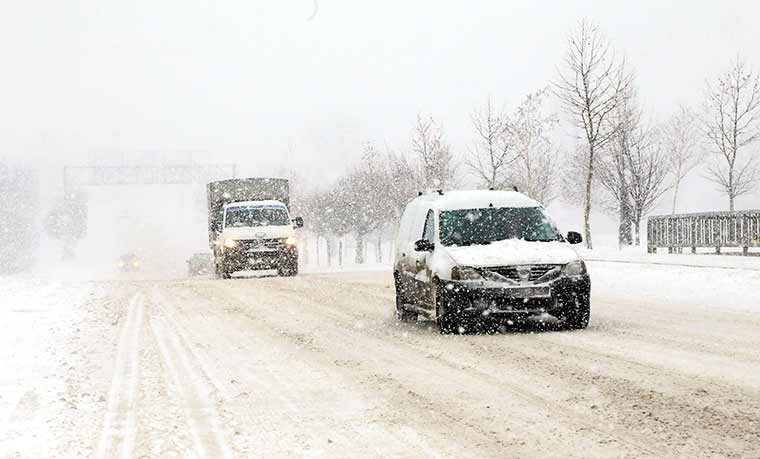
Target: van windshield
<point>244,217</point>
<point>483,226</point>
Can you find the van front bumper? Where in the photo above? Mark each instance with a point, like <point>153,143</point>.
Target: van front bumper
<point>473,299</point>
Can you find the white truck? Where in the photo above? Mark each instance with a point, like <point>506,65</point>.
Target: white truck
<point>250,227</point>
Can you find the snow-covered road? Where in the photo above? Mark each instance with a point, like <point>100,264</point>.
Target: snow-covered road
<point>317,366</point>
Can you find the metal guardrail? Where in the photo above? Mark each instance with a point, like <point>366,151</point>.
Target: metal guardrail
<point>710,229</point>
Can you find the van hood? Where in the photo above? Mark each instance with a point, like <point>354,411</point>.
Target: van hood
<point>513,252</point>
<point>258,232</point>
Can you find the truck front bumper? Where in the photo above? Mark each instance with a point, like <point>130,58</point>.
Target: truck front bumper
<point>236,260</point>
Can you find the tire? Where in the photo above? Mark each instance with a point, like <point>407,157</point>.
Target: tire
<point>578,313</point>
<point>445,311</point>
<point>402,313</point>
<point>288,269</point>
<point>221,271</point>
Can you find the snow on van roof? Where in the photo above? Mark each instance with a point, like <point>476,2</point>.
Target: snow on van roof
<point>255,204</point>
<point>477,199</point>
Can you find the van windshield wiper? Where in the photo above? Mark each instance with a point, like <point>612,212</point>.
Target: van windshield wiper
<point>467,243</point>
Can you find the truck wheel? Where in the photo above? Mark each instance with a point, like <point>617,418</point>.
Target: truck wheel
<point>288,270</point>
<point>221,271</point>
<point>445,310</point>
<point>578,313</point>
<point>402,313</point>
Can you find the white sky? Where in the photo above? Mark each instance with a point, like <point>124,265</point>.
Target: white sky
<point>242,80</point>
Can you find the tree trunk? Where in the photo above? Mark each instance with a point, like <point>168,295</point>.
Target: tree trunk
<point>379,252</point>
<point>675,196</point>
<point>359,248</point>
<point>637,229</point>
<point>318,244</point>
<point>624,226</point>
<point>328,240</point>
<point>731,202</point>
<point>587,203</point>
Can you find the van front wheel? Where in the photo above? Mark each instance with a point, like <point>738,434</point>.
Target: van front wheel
<point>445,310</point>
<point>578,313</point>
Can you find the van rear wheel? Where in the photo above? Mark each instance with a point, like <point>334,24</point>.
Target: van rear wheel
<point>402,313</point>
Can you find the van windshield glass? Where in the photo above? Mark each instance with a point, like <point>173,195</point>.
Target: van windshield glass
<point>243,217</point>
<point>483,226</point>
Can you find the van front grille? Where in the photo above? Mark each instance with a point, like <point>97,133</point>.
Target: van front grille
<point>536,271</point>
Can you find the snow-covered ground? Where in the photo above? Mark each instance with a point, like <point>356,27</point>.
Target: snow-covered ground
<point>318,366</point>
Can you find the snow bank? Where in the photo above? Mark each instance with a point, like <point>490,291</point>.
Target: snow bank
<point>639,255</point>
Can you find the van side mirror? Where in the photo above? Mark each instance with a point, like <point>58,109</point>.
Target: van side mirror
<point>298,222</point>
<point>574,237</point>
<point>423,245</point>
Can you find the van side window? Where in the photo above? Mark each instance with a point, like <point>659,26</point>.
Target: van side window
<point>429,232</point>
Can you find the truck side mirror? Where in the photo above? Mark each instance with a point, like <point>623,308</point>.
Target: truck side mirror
<point>574,237</point>
<point>298,222</point>
<point>423,245</point>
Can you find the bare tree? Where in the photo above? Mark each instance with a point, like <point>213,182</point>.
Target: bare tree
<point>682,145</point>
<point>648,169</point>
<point>535,167</point>
<point>732,110</point>
<point>492,152</point>
<point>436,162</point>
<point>614,172</point>
<point>593,83</point>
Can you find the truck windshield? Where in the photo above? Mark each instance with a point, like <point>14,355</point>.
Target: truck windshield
<point>242,217</point>
<point>483,226</point>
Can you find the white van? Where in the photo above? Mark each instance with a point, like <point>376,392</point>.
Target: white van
<point>471,255</point>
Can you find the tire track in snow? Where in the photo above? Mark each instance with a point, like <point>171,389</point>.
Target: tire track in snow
<point>117,438</point>
<point>199,410</point>
<point>445,367</point>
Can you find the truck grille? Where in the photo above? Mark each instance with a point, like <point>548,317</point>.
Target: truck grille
<point>536,271</point>
<point>261,244</point>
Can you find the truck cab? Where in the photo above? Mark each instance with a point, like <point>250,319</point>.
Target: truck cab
<point>250,227</point>
<point>257,235</point>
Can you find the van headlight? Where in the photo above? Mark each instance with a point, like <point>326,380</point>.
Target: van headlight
<point>230,243</point>
<point>465,273</point>
<point>291,241</point>
<point>574,268</point>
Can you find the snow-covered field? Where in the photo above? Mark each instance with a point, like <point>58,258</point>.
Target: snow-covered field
<point>317,366</point>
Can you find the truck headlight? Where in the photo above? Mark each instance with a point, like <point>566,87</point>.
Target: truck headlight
<point>574,268</point>
<point>230,243</point>
<point>465,273</point>
<point>291,241</point>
